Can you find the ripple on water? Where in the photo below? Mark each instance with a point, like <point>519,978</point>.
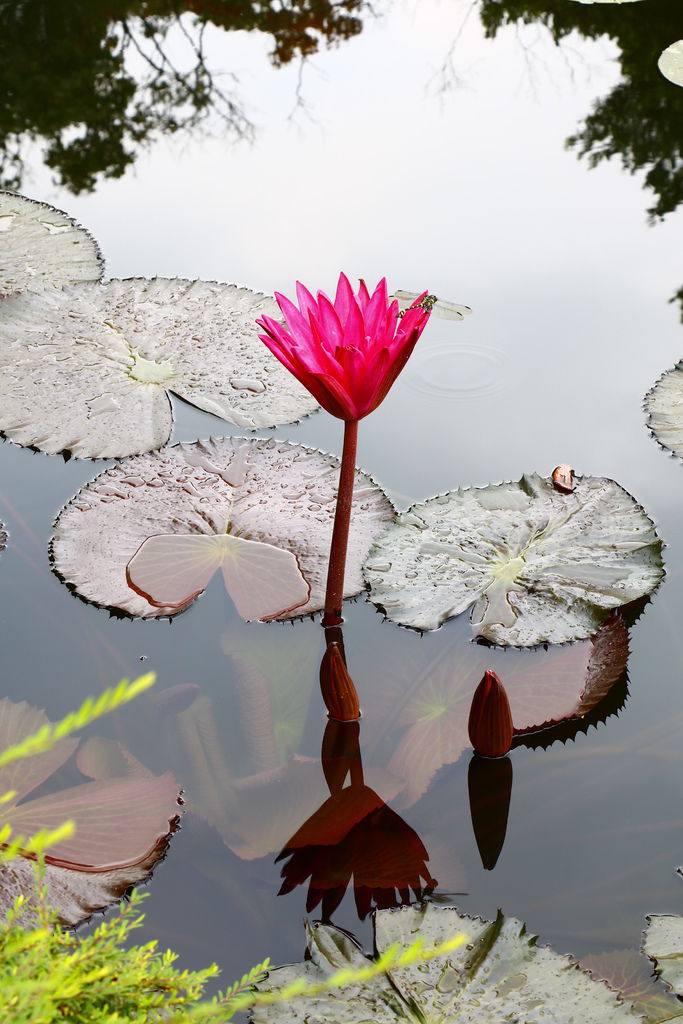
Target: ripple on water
<point>462,371</point>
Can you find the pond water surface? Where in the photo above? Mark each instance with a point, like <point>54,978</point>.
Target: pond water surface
<point>468,192</point>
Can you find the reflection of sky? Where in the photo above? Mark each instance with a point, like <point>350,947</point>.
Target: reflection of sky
<point>472,195</point>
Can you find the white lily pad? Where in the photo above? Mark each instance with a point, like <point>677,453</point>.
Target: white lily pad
<point>670,62</point>
<point>536,566</point>
<point>88,369</point>
<point>664,944</point>
<point>498,974</point>
<point>270,491</point>
<point>664,406</point>
<point>41,247</point>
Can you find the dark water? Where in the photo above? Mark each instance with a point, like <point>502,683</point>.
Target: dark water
<point>472,194</point>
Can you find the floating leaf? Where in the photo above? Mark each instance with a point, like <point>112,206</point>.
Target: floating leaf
<point>670,62</point>
<point>87,369</point>
<point>536,565</point>
<point>274,492</point>
<point>664,405</point>
<point>664,944</point>
<point>498,974</point>
<point>75,895</point>
<point>41,247</point>
<point>431,702</point>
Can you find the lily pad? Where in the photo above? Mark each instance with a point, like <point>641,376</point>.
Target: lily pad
<point>429,703</point>
<point>269,491</point>
<point>499,973</point>
<point>122,824</point>
<point>664,405</point>
<point>670,62</point>
<point>535,565</point>
<point>41,247</point>
<point>664,944</point>
<point>87,369</point>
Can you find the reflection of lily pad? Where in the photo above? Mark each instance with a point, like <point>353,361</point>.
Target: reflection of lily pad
<point>264,490</point>
<point>671,62</point>
<point>42,247</point>
<point>430,702</point>
<point>122,824</point>
<point>537,566</point>
<point>664,405</point>
<point>498,974</point>
<point>87,369</point>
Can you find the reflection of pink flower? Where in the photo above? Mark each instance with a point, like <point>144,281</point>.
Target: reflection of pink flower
<point>347,353</point>
<point>354,833</point>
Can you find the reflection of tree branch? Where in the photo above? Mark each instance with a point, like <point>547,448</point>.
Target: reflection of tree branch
<point>64,77</point>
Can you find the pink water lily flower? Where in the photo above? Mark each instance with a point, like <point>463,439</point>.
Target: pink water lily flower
<point>347,353</point>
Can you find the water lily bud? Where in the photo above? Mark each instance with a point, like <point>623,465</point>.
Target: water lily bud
<point>490,722</point>
<point>563,479</point>
<point>336,685</point>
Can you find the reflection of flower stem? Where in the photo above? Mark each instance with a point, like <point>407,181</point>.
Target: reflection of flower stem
<point>340,533</point>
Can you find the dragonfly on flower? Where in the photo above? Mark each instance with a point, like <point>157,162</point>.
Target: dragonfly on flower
<point>440,307</point>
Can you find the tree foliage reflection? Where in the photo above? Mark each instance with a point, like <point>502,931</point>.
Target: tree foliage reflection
<point>641,119</point>
<point>96,79</point>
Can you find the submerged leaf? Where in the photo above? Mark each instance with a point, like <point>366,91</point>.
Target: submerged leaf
<point>274,492</point>
<point>630,974</point>
<point>537,566</point>
<point>498,974</point>
<point>122,823</point>
<point>87,369</point>
<point>670,62</point>
<point>41,247</point>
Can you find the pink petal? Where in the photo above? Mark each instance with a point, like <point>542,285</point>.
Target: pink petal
<point>328,324</point>
<point>307,303</point>
<point>363,295</point>
<point>296,321</point>
<point>344,298</point>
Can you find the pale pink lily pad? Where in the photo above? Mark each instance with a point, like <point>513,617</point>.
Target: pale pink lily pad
<point>119,823</point>
<point>269,491</point>
<point>262,580</point>
<point>88,369</point>
<point>41,247</point>
<point>430,704</point>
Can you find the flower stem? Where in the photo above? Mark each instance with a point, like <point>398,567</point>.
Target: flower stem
<point>340,532</point>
